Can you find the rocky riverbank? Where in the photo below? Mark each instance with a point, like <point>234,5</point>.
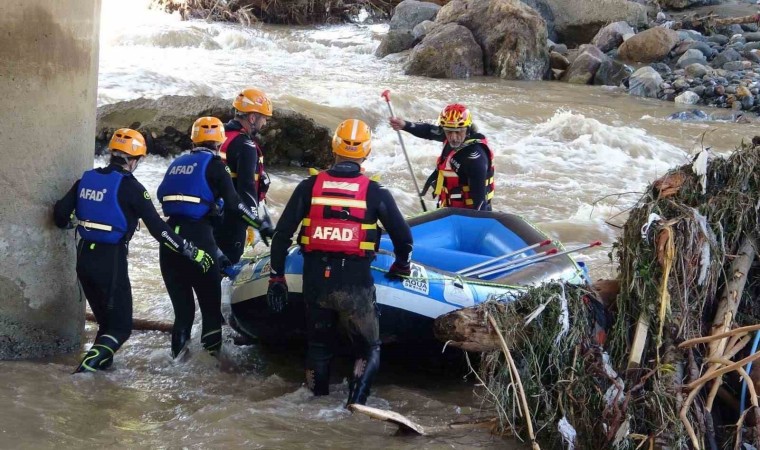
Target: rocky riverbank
<point>290,138</point>
<point>636,46</point>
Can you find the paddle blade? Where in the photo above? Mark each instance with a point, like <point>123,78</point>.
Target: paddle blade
<point>386,95</point>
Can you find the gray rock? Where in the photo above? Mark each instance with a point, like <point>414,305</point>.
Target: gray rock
<point>611,36</point>
<point>690,57</point>
<point>683,4</point>
<point>584,67</point>
<point>753,55</point>
<point>718,39</point>
<point>737,39</point>
<point>681,84</point>
<point>561,49</point>
<point>696,70</point>
<point>651,45</point>
<point>543,8</point>
<point>409,13</point>
<point>748,102</point>
<point>577,22</point>
<point>395,41</point>
<point>645,82</point>
<point>166,121</point>
<point>751,46</point>
<point>750,27</point>
<point>699,90</point>
<point>687,98</point>
<point>612,73</point>
<point>558,61</point>
<point>661,68</point>
<point>449,51</point>
<point>422,29</point>
<point>734,65</point>
<point>691,35</point>
<point>512,35</point>
<point>703,47</point>
<point>752,36</point>
<point>724,57</point>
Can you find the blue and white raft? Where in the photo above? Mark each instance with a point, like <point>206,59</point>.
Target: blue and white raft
<point>446,241</point>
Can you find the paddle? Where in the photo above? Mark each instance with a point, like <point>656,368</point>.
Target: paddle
<point>387,96</point>
<point>407,426</point>
<point>466,271</point>
<point>513,262</point>
<point>521,263</point>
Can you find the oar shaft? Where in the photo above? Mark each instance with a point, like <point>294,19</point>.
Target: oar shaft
<point>522,263</point>
<point>508,264</point>
<point>466,270</point>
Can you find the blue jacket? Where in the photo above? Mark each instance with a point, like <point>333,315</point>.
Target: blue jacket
<point>100,216</point>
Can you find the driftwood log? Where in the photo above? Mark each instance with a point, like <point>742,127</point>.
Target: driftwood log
<point>712,21</point>
<point>141,324</point>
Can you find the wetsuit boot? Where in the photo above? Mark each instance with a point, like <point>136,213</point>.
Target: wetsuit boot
<point>180,342</point>
<point>364,373</point>
<point>99,357</point>
<point>318,368</point>
<point>212,342</point>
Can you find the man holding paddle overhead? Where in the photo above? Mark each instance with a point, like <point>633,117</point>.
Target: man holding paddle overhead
<point>464,175</point>
<point>338,212</point>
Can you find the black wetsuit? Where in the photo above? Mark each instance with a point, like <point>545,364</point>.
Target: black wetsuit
<point>182,276</point>
<point>346,292</point>
<point>471,162</point>
<point>243,160</point>
<point>102,268</point>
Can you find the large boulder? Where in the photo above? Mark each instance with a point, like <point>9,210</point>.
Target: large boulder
<point>648,46</point>
<point>448,51</point>
<point>645,82</point>
<point>395,41</point>
<point>512,35</point>
<point>290,138</point>
<point>612,73</point>
<point>543,8</point>
<point>611,36</point>
<point>584,66</point>
<point>577,22</point>
<point>409,13</point>
<point>683,4</point>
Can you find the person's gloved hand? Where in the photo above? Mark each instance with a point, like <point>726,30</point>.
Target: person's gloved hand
<point>266,231</point>
<point>224,264</point>
<point>200,257</point>
<point>277,294</point>
<point>399,270</point>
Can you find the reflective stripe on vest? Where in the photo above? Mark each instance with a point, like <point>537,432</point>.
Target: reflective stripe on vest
<point>99,214</point>
<point>184,191</point>
<point>450,188</point>
<point>336,222</point>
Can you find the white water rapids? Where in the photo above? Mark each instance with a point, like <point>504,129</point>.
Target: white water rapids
<point>559,148</point>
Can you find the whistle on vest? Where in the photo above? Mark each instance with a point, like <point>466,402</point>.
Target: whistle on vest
<point>327,271</point>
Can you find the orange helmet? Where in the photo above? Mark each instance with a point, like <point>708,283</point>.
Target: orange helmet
<point>455,116</point>
<point>252,100</point>
<point>129,141</point>
<point>207,129</point>
<point>352,139</point>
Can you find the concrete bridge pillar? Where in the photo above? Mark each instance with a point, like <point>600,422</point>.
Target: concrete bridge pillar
<point>48,76</point>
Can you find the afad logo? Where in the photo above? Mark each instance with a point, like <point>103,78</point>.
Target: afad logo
<point>92,194</point>
<point>418,280</point>
<point>182,170</point>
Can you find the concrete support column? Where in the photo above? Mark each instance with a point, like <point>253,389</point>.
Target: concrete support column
<point>48,80</point>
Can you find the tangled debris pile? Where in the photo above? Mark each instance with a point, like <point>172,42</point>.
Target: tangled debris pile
<point>658,364</point>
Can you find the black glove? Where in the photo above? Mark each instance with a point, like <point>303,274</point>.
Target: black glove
<point>277,294</point>
<point>224,263</point>
<point>399,270</point>
<point>266,232</point>
<point>432,179</point>
<point>200,257</point>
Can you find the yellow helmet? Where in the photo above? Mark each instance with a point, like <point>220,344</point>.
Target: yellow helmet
<point>352,139</point>
<point>207,129</point>
<point>129,141</point>
<point>252,100</point>
<point>455,116</point>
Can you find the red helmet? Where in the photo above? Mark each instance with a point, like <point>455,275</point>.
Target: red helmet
<point>455,116</point>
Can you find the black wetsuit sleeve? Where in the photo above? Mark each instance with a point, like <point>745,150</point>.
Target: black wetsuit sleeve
<point>65,206</point>
<point>134,196</point>
<point>395,225</point>
<point>474,167</point>
<point>218,176</point>
<point>291,217</point>
<point>247,164</point>
<point>425,131</point>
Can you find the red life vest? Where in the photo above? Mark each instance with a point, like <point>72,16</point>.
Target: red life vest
<point>337,219</point>
<point>450,188</point>
<point>260,178</point>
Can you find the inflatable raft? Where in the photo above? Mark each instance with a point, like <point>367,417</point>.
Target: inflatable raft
<point>446,241</point>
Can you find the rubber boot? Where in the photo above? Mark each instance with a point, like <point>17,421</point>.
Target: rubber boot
<point>212,342</point>
<point>180,342</point>
<point>99,357</point>
<point>318,369</point>
<point>364,373</point>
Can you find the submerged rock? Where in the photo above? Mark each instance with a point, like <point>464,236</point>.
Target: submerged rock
<point>645,82</point>
<point>289,137</point>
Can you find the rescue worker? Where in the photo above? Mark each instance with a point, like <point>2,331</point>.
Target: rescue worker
<point>189,195</point>
<point>338,212</point>
<point>108,202</point>
<point>464,175</point>
<point>243,155</point>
